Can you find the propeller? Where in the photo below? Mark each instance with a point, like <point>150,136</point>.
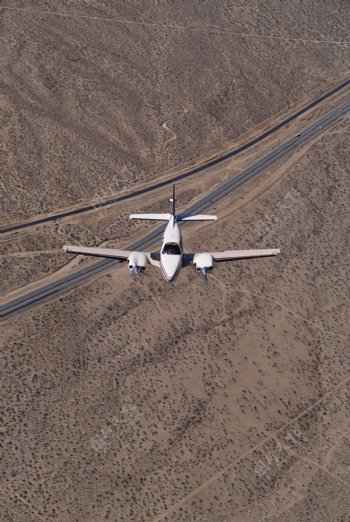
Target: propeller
<point>134,270</point>
<point>206,272</point>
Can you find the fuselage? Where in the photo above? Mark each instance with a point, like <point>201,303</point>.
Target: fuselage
<point>171,251</point>
<point>171,257</point>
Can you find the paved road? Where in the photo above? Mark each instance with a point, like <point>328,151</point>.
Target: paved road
<point>179,177</point>
<point>73,280</point>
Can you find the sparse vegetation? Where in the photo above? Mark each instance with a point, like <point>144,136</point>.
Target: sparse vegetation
<point>235,391</point>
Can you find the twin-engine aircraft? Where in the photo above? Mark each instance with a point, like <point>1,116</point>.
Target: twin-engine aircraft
<point>171,257</point>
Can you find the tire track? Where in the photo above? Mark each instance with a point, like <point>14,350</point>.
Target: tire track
<point>211,162</point>
<point>247,453</point>
<point>206,28</point>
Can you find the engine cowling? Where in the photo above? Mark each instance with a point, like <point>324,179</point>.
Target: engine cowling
<point>204,262</point>
<point>137,262</point>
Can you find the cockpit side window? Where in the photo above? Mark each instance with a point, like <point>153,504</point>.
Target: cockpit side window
<point>172,249</point>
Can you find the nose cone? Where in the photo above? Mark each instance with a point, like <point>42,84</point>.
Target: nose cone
<point>171,265</point>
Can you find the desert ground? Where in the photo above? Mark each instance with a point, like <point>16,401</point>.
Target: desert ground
<point>219,399</point>
<point>213,399</point>
<point>98,94</point>
<point>93,104</point>
<point>33,256</point>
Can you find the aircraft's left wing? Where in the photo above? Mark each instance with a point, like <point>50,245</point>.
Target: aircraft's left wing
<point>229,255</point>
<point>99,252</point>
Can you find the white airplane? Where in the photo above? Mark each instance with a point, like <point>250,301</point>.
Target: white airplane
<point>171,256</point>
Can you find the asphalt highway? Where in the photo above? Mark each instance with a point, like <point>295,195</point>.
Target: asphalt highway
<point>190,172</point>
<point>59,286</point>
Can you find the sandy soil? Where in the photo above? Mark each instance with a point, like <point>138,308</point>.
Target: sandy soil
<point>30,256</point>
<point>223,399</point>
<point>101,95</point>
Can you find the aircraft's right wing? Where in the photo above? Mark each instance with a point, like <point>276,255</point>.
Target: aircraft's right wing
<point>230,255</point>
<point>99,252</point>
<point>132,256</point>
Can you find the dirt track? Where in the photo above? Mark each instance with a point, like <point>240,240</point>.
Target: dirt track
<point>85,96</point>
<point>136,400</point>
<point>235,404</point>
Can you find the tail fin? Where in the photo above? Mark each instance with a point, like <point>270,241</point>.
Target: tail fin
<point>179,217</point>
<point>173,200</point>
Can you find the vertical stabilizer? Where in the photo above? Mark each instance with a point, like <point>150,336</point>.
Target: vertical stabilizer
<point>173,200</point>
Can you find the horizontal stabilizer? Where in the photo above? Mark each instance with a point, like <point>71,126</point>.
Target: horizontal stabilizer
<point>156,217</point>
<point>198,217</point>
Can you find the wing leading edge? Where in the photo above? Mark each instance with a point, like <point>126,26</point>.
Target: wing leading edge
<point>114,253</point>
<point>230,255</point>
<point>98,252</point>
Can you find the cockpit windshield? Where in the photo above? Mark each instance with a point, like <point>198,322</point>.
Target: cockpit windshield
<point>172,249</point>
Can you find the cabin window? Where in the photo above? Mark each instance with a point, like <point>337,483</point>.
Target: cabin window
<point>172,249</point>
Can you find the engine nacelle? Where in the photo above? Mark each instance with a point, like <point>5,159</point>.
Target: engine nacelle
<point>137,262</point>
<point>204,262</point>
